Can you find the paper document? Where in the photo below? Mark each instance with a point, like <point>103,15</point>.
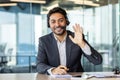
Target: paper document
<point>61,76</point>
<point>103,75</point>
<point>107,76</point>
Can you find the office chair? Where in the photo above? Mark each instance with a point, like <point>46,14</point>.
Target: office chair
<point>4,60</point>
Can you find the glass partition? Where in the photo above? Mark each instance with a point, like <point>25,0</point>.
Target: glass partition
<point>18,39</point>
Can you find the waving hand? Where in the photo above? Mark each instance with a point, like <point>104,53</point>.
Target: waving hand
<point>78,36</point>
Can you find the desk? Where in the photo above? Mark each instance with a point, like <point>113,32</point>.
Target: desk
<point>18,76</point>
<point>46,77</point>
<point>35,76</point>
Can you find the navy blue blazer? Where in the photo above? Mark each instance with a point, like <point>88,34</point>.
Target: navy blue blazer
<point>48,54</point>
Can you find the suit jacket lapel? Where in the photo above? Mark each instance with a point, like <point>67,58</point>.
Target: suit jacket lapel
<point>56,52</point>
<point>68,49</point>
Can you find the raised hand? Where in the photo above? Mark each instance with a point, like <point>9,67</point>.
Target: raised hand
<point>78,36</point>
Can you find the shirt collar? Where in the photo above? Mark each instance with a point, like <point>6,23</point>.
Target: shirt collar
<point>58,40</point>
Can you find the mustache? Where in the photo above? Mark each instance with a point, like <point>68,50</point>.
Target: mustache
<point>62,27</point>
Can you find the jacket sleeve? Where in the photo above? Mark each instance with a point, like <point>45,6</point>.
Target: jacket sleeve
<point>42,62</point>
<point>95,57</point>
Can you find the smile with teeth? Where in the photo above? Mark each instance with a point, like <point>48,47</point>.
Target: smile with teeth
<point>58,29</point>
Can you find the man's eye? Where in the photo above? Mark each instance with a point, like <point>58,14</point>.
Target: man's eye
<point>61,20</point>
<point>52,21</point>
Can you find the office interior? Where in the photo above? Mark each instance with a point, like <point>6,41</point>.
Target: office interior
<point>22,22</point>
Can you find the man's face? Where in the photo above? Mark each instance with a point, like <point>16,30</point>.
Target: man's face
<point>57,23</point>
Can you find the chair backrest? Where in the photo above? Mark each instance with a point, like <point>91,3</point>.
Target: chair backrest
<point>2,47</point>
<point>9,52</point>
<point>3,58</point>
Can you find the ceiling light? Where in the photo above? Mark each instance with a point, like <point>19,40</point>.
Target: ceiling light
<point>31,1</point>
<point>89,3</point>
<point>8,4</point>
<point>52,6</point>
<point>84,2</point>
<point>97,0</point>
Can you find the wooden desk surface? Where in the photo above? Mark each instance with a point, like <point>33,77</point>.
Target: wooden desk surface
<point>35,76</point>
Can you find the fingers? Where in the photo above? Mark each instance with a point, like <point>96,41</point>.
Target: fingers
<point>77,28</point>
<point>63,67</point>
<point>78,35</point>
<point>61,70</point>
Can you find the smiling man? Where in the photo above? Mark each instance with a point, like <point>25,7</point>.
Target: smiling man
<point>60,51</point>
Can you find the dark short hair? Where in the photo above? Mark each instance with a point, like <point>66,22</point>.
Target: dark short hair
<point>57,10</point>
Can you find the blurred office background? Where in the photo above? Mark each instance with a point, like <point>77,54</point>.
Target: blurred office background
<point>22,22</point>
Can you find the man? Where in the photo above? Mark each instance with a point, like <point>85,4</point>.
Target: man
<point>60,51</point>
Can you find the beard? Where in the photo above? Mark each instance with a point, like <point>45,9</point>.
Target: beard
<point>60,30</point>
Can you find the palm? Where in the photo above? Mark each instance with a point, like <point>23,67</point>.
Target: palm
<point>78,37</point>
